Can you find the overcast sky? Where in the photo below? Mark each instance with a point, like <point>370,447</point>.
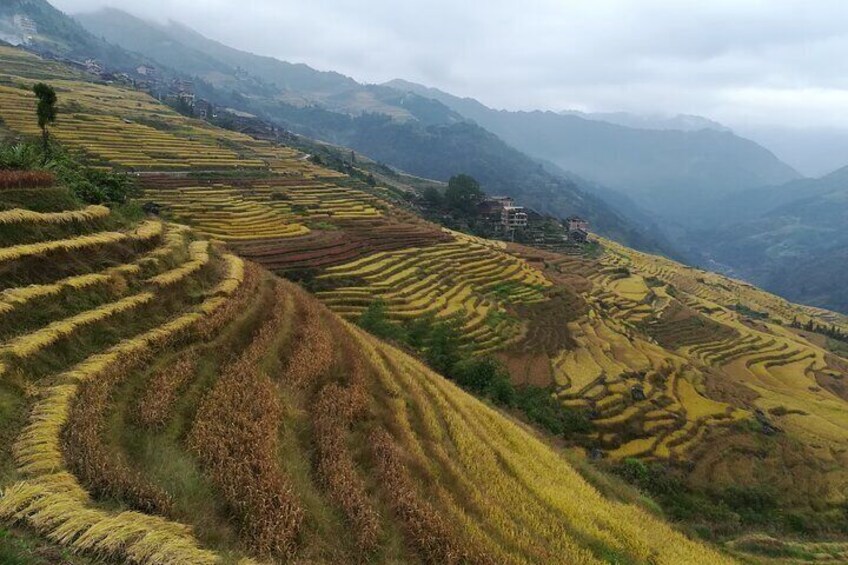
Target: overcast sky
<point>742,62</point>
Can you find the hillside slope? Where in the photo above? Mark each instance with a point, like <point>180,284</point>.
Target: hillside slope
<point>414,133</point>
<point>668,376</point>
<point>164,402</point>
<point>62,36</point>
<point>672,172</point>
<point>797,246</point>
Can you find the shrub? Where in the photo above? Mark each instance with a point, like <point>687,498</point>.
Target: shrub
<point>375,320</point>
<point>545,411</point>
<point>23,156</point>
<point>90,185</point>
<point>485,377</point>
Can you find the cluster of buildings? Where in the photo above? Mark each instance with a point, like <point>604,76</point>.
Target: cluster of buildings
<point>506,217</point>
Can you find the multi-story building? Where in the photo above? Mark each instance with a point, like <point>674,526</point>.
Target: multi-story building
<point>513,217</point>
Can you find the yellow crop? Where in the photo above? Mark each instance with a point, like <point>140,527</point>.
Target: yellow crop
<point>14,297</point>
<point>28,344</point>
<point>198,258</point>
<point>540,501</point>
<point>19,216</point>
<point>52,501</point>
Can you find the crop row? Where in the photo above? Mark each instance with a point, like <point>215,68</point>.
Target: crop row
<point>147,231</point>
<point>334,411</point>
<point>312,354</point>
<point>51,499</point>
<point>104,474</point>
<point>460,278</point>
<point>198,258</point>
<point>542,506</point>
<point>234,435</point>
<point>26,179</point>
<point>20,216</point>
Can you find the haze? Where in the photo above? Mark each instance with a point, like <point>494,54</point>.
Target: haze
<point>771,70</point>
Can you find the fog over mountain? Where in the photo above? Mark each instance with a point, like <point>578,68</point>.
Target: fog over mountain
<point>741,63</point>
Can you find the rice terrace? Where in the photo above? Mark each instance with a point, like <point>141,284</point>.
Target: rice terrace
<point>219,347</point>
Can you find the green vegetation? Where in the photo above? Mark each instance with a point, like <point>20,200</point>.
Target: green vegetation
<point>463,194</point>
<point>93,186</point>
<point>46,112</point>
<point>723,512</point>
<point>439,344</point>
<point>750,312</point>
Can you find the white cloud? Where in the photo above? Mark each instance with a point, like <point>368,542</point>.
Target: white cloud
<point>745,62</point>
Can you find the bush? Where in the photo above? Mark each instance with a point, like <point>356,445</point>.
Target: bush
<point>22,156</point>
<point>544,410</point>
<point>485,377</point>
<point>89,185</point>
<point>375,321</point>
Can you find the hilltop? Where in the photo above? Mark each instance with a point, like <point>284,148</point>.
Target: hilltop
<point>169,396</point>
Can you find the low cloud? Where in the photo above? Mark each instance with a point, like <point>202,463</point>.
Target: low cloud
<point>743,62</point>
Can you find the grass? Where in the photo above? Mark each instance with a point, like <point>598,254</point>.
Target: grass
<point>20,548</point>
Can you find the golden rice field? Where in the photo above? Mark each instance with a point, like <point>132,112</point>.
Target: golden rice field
<point>281,432</point>
<point>124,128</point>
<point>223,213</point>
<point>464,278</point>
<point>175,404</point>
<point>670,360</point>
<point>259,210</point>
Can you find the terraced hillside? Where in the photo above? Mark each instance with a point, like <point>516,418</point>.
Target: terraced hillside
<point>122,128</point>
<point>166,402</point>
<point>700,371</point>
<point>173,346</point>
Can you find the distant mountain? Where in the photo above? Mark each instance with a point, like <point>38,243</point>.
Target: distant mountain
<point>672,172</point>
<point>798,247</point>
<point>814,151</point>
<point>680,122</point>
<point>180,47</point>
<point>415,133</point>
<point>57,35</point>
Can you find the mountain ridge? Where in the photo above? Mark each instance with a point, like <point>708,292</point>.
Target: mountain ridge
<point>341,117</point>
<point>668,171</point>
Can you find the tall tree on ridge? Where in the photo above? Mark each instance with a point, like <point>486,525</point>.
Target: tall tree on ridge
<point>46,111</point>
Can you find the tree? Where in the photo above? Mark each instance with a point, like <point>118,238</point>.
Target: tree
<point>463,194</point>
<point>46,111</point>
<point>433,197</point>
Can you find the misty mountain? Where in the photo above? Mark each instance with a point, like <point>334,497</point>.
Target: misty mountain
<point>681,122</point>
<point>671,172</point>
<point>415,133</point>
<point>180,47</point>
<point>58,35</point>
<point>814,151</point>
<point>798,247</point>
